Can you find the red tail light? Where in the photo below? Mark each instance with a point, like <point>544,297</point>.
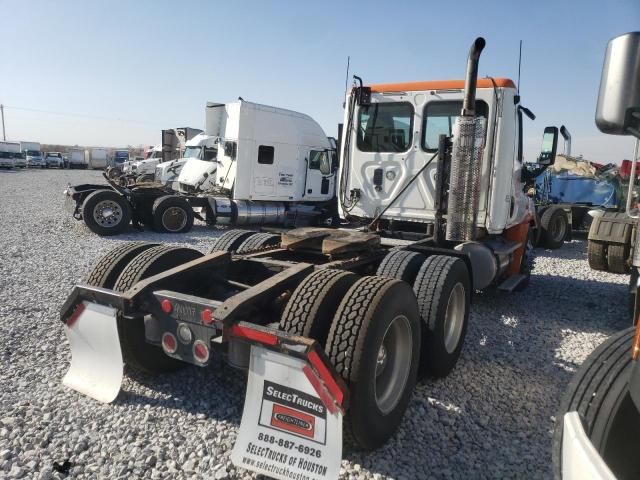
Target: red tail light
<point>200,351</point>
<point>166,306</point>
<point>169,342</point>
<point>206,316</point>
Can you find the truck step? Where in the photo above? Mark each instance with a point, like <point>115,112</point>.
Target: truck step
<point>511,283</point>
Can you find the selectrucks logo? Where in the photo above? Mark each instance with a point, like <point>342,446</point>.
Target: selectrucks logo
<point>293,411</point>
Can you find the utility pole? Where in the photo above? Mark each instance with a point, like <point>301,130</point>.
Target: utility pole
<point>4,136</point>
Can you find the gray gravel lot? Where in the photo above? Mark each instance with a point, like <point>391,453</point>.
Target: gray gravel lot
<point>492,418</point>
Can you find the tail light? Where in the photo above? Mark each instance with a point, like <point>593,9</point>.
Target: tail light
<point>166,306</point>
<point>206,316</point>
<point>200,351</point>
<point>169,342</point>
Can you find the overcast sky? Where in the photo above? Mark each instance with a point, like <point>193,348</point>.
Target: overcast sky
<point>114,73</point>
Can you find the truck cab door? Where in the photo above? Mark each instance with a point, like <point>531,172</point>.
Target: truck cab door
<point>320,175</point>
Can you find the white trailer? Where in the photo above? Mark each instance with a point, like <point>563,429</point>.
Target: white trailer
<point>98,158</point>
<point>9,154</point>
<point>77,158</point>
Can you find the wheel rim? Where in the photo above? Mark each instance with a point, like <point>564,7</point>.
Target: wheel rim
<point>174,219</point>
<point>454,318</point>
<point>107,213</point>
<point>558,228</point>
<point>393,363</point>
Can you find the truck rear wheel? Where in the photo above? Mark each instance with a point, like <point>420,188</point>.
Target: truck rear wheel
<point>258,242</point>
<point>617,258</point>
<point>172,214</point>
<point>374,344</point>
<point>555,225</point>
<point>230,241</point>
<point>106,212</point>
<point>401,264</point>
<point>597,255</point>
<point>137,353</point>
<point>105,273</point>
<point>599,392</point>
<point>443,289</point>
<point>312,305</point>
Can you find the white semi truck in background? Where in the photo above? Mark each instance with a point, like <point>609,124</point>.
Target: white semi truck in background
<point>31,154</point>
<point>98,158</point>
<point>9,153</point>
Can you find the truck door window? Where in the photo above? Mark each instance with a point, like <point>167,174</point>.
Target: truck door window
<point>265,155</point>
<point>385,127</point>
<point>319,160</point>
<point>439,118</point>
<point>210,154</point>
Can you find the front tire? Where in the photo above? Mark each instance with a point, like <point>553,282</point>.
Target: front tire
<point>555,225</point>
<point>106,212</point>
<point>599,392</point>
<point>374,344</point>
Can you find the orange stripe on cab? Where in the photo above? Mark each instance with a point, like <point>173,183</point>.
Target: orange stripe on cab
<point>439,85</point>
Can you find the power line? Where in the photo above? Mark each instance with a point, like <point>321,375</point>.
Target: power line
<point>82,115</point>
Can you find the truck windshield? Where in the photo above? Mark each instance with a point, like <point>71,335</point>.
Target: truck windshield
<point>385,127</point>
<point>33,153</point>
<point>192,152</point>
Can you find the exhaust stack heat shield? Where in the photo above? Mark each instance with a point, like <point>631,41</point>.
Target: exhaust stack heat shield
<point>464,187</point>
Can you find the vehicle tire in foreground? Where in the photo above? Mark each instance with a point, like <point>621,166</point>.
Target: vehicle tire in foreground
<point>443,290</point>
<point>105,273</point>
<point>137,353</point>
<point>258,242</point>
<point>597,255</point>
<point>310,310</point>
<point>172,214</point>
<point>374,344</point>
<point>555,225</point>
<point>230,241</point>
<point>599,392</point>
<point>106,212</point>
<point>617,258</point>
<point>401,264</point>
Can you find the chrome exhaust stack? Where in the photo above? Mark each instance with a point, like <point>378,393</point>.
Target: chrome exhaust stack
<point>466,157</point>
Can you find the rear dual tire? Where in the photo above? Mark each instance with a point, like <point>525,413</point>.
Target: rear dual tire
<point>172,214</point>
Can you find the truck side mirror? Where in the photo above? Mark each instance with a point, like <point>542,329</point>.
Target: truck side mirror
<point>549,146</point>
<point>618,109</point>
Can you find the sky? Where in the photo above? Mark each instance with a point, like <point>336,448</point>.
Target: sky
<point>114,73</point>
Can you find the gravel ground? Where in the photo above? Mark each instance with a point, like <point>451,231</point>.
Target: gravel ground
<point>492,417</point>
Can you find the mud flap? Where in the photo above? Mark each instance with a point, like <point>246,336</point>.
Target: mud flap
<point>289,428</point>
<point>96,358</point>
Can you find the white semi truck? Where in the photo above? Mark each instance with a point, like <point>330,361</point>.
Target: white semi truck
<point>9,154</point>
<point>341,319</point>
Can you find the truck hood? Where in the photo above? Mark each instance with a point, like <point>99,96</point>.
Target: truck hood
<point>193,172</point>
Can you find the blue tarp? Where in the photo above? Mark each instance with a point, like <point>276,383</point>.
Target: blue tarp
<point>567,188</point>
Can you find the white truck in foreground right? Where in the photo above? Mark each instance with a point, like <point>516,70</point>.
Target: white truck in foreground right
<point>333,324</point>
<point>597,434</point>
